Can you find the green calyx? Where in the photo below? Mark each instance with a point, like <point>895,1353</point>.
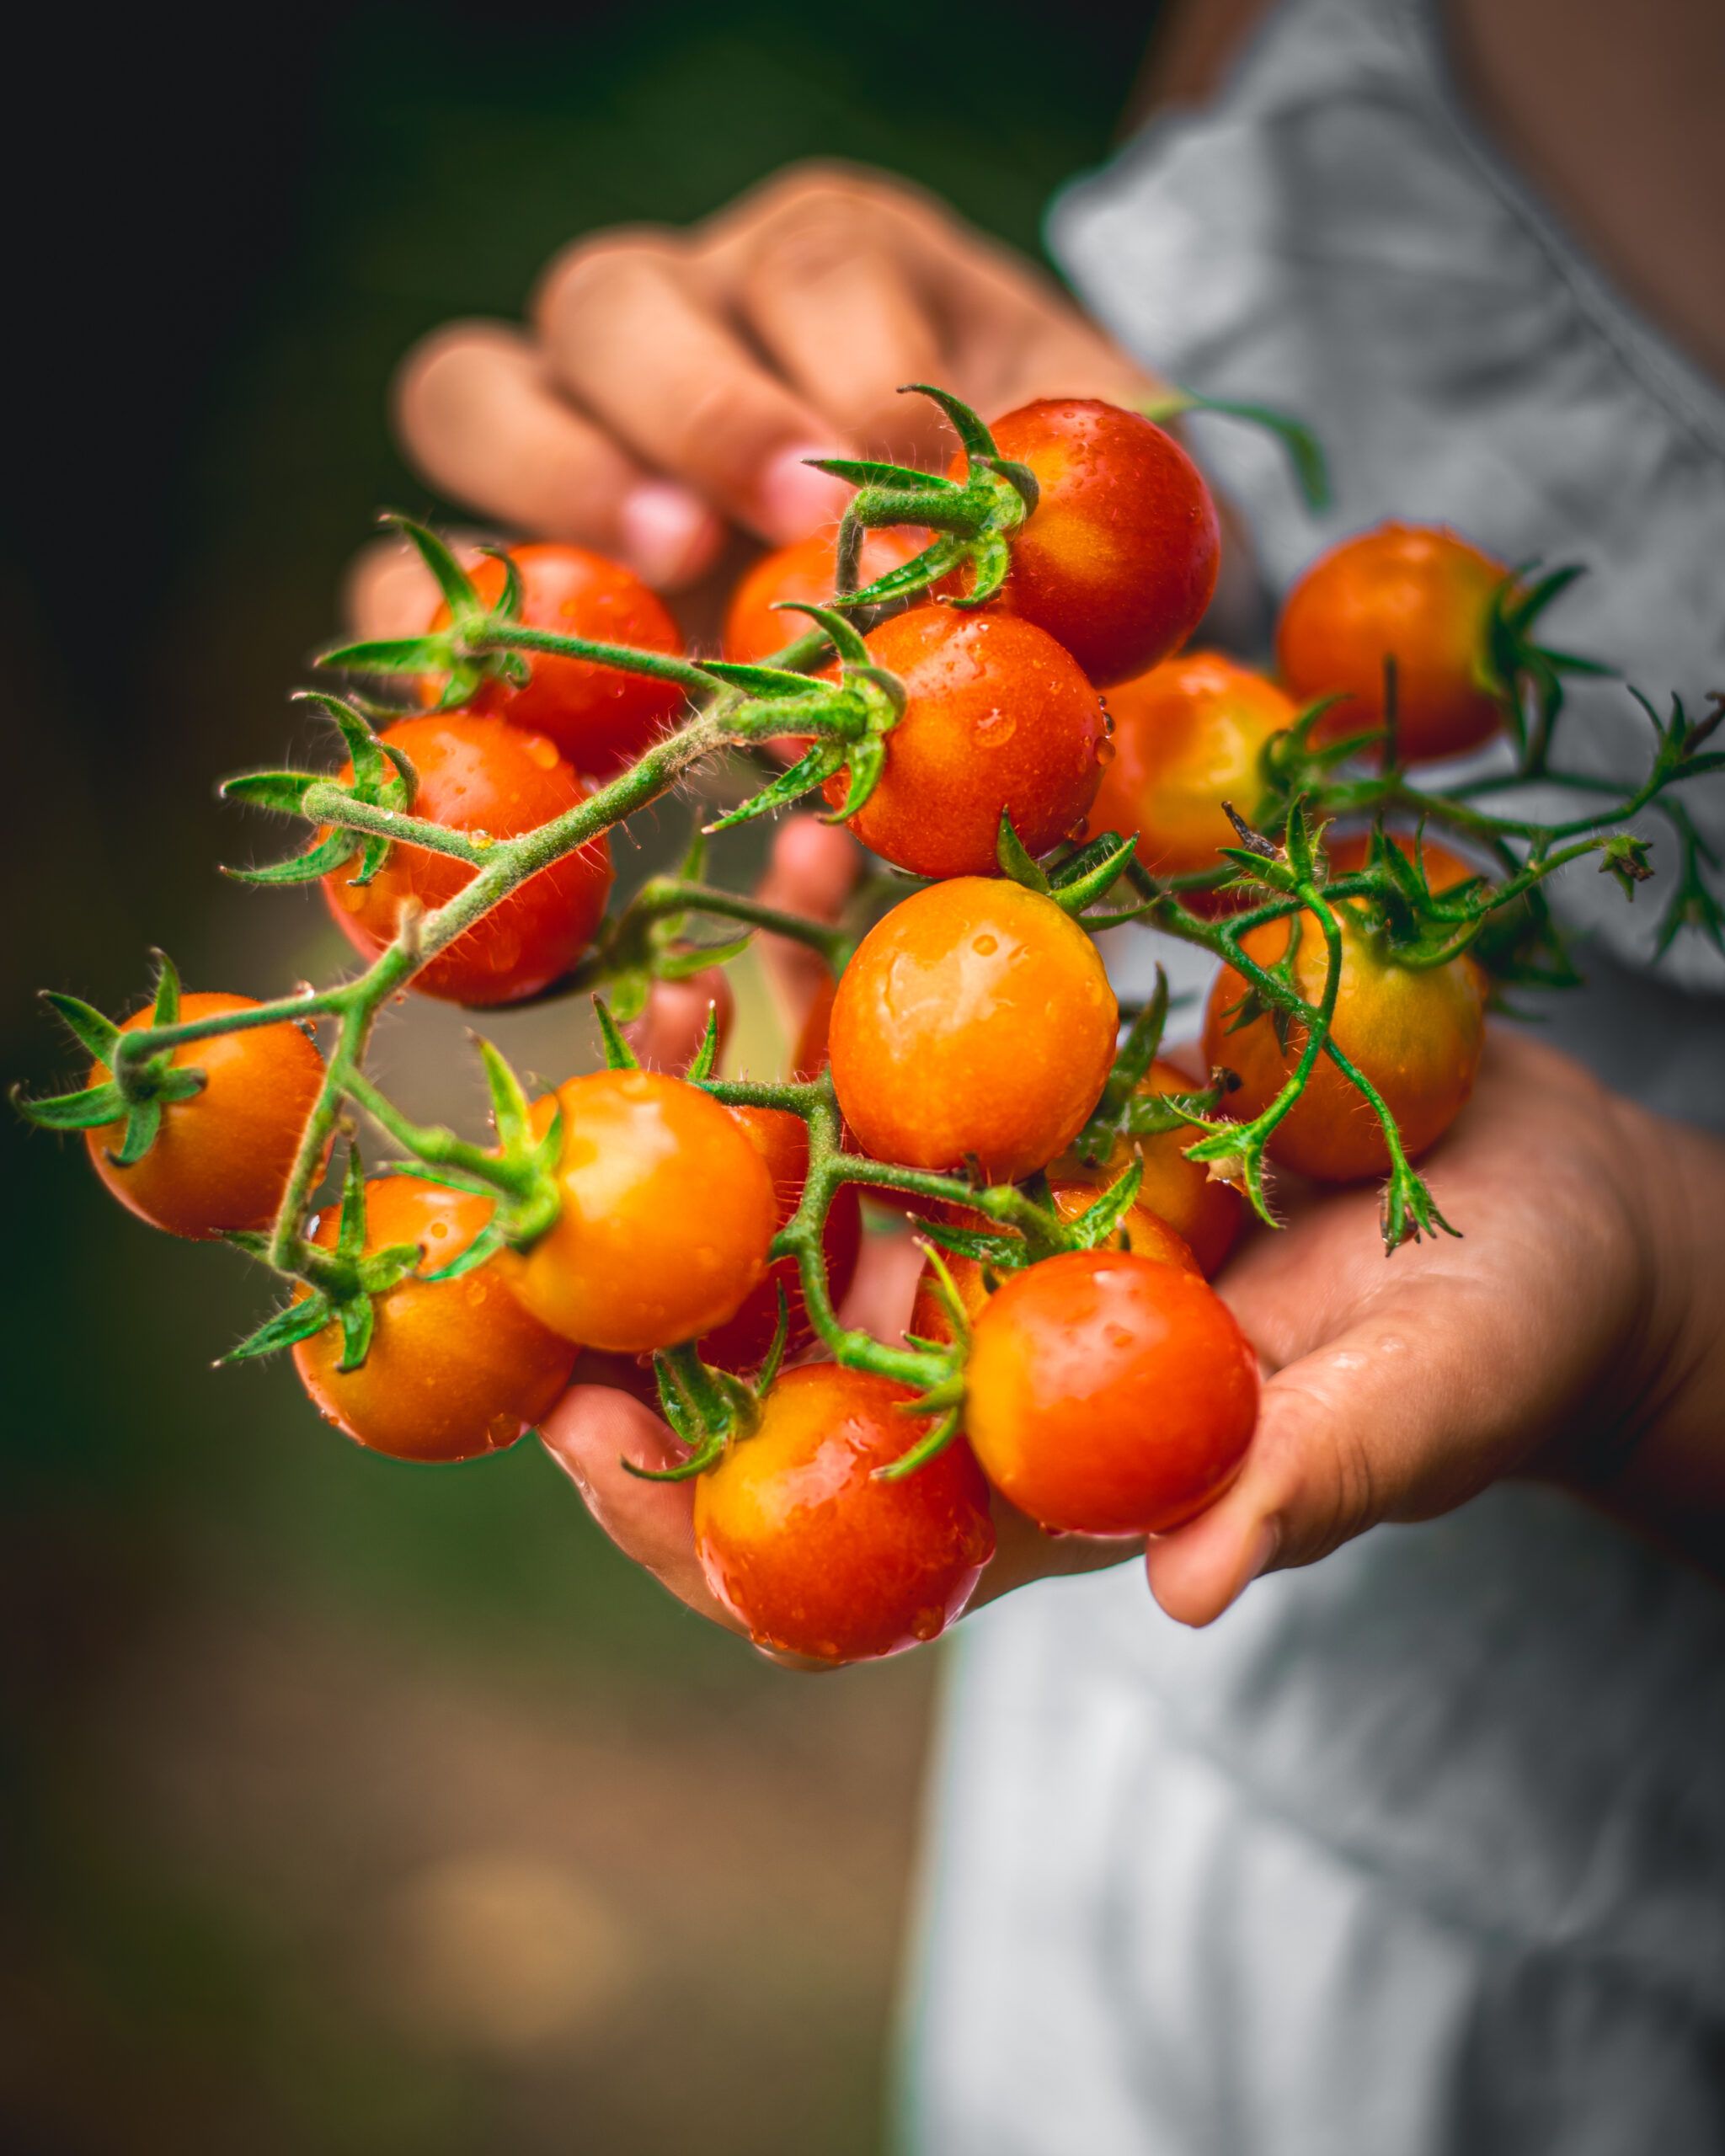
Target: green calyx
<point>461,652</point>
<point>140,1085</point>
<point>1076,878</point>
<point>384,782</point>
<point>1524,678</point>
<point>1304,451</point>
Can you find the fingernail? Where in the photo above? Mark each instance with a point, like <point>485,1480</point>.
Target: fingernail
<point>668,535</point>
<point>795,499</point>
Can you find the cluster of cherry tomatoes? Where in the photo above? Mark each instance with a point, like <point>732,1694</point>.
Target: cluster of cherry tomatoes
<point>1105,1389</point>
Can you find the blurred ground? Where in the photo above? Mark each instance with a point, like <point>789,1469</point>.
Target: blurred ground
<point>344,1805</point>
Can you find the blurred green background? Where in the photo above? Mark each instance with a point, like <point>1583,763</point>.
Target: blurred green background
<point>348,1806</point>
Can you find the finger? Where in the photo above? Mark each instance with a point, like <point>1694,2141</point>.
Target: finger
<point>481,421</point>
<point>671,1030</point>
<point>813,870</point>
<point>883,1289</point>
<point>627,333</point>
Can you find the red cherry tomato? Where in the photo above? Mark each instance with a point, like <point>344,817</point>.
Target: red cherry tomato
<point>601,717</point>
<point>977,1018</point>
<point>741,1344</point>
<point>1418,592</point>
<point>1118,559</point>
<point>1109,1394</point>
<point>1188,736</point>
<point>456,1367</point>
<point>804,573</point>
<point>478,775</point>
<point>1416,1035</point>
<point>802,1541</point>
<point>667,1210</point>
<point>999,717</point>
<point>1204,1213</point>
<point>219,1160</point>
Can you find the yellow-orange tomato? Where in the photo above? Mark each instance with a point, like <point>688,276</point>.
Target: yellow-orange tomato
<point>1188,736</point>
<point>1206,1212</point>
<point>976,1017</point>
<point>801,1540</point>
<point>1143,1233</point>
<point>1109,1395</point>
<point>804,573</point>
<point>1418,592</point>
<point>456,1367</point>
<point>666,1212</point>
<point>219,1160</point>
<point>999,718</point>
<point>1416,1035</point>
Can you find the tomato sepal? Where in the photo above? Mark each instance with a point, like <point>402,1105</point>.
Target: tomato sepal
<point>1305,450</point>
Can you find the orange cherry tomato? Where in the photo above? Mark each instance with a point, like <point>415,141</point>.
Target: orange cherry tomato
<point>1118,559</point>
<point>976,1017</point>
<point>1416,1035</point>
<point>667,1210</point>
<point>221,1161</point>
<point>1146,1234</point>
<point>802,1541</point>
<point>1418,592</point>
<point>456,1367</point>
<point>1000,717</point>
<point>479,774</point>
<point>1204,1212</point>
<point>741,1344</point>
<point>601,717</point>
<point>804,573</point>
<point>1188,736</point>
<point>1109,1394</point>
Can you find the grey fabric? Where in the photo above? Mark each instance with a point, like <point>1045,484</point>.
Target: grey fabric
<point>1420,1851</point>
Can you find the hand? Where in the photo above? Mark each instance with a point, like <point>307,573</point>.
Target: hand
<point>669,382</point>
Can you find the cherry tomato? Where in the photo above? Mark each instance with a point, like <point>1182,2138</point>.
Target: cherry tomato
<point>1109,1394</point>
<point>1118,559</point>
<point>456,1367</point>
<point>1204,1212</point>
<point>219,1160</point>
<point>478,775</point>
<point>1416,1035</point>
<point>975,1018</point>
<point>802,1541</point>
<point>804,571</point>
<point>1188,736</point>
<point>741,1344</point>
<point>1413,590</point>
<point>601,717</point>
<point>667,1210</point>
<point>1146,1234</point>
<point>999,717</point>
<point>810,1056</point>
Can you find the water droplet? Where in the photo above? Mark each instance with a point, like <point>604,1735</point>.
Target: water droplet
<point>928,1623</point>
<point>439,1228</point>
<point>985,947</point>
<point>1105,752</point>
<point>502,1430</point>
<point>995,729</point>
<point>538,750</point>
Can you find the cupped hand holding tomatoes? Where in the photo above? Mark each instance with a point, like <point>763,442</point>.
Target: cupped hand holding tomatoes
<point>803,573</point>
<point>1118,560</point>
<point>975,1018</point>
<point>600,716</point>
<point>477,775</point>
<point>456,1367</point>
<point>666,1209</point>
<point>999,718</point>
<point>1415,593</point>
<point>219,1160</point>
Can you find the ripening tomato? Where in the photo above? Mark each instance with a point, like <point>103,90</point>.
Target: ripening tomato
<point>1143,1233</point>
<point>804,573</point>
<point>999,717</point>
<point>1203,1211</point>
<point>1413,590</point>
<point>456,1367</point>
<point>801,1540</point>
<point>1188,736</point>
<point>976,1018</point>
<point>1416,1035</point>
<point>1109,1394</point>
<point>601,717</point>
<point>219,1160</point>
<point>480,775</point>
<point>667,1211</point>
<point>1118,559</point>
<point>741,1344</point>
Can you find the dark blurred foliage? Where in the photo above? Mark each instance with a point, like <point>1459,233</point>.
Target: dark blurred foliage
<point>349,1807</point>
